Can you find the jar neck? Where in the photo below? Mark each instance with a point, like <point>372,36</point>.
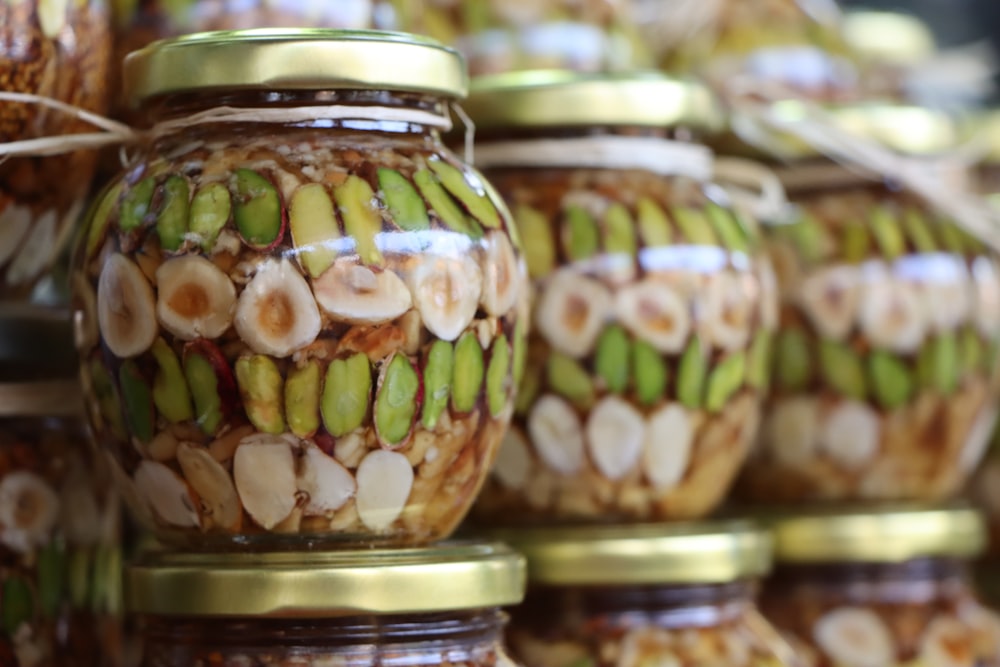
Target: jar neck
<point>923,579</point>
<point>466,631</point>
<point>487,135</point>
<point>179,106</point>
<point>664,606</point>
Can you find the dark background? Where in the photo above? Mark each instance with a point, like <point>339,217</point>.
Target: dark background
<point>954,22</point>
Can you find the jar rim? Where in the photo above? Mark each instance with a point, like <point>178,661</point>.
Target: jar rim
<point>714,552</point>
<point>561,99</point>
<point>893,534</point>
<point>449,577</point>
<point>294,59</point>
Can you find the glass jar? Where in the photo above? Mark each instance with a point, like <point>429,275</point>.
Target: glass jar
<point>60,555</point>
<point>653,303</point>
<point>794,45</point>
<point>500,36</point>
<point>886,362</point>
<point>987,131</point>
<point>437,606</point>
<point>61,51</point>
<point>644,595</point>
<point>881,587</point>
<point>300,324</point>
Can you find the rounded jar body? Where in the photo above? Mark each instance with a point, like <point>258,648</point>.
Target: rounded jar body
<point>653,316</point>
<point>456,639</point>
<point>644,625</point>
<point>300,333</point>
<point>498,36</point>
<point>60,51</point>
<point>885,365</point>
<point>915,612</point>
<point>60,557</point>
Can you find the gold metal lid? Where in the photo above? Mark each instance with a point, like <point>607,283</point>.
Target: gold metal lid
<point>294,59</point>
<point>38,363</point>
<point>551,98</point>
<point>323,584</point>
<point>716,552</point>
<point>889,37</point>
<point>889,535</point>
<point>905,129</point>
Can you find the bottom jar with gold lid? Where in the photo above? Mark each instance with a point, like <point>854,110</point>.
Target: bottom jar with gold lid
<point>679,596</point>
<point>407,607</point>
<point>60,557</point>
<point>874,588</point>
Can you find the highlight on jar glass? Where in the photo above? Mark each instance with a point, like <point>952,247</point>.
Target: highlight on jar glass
<point>886,363</point>
<point>299,320</point>
<point>654,306</point>
<point>60,551</point>
<point>645,595</point>
<point>499,36</point>
<point>60,51</point>
<point>437,606</point>
<point>881,587</point>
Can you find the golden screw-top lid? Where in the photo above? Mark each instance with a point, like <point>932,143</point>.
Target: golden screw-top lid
<point>445,578</point>
<point>717,552</point>
<point>550,98</point>
<point>905,129</point>
<point>38,363</point>
<point>295,59</point>
<point>878,536</point>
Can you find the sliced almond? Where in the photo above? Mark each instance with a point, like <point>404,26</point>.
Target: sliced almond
<point>557,434</point>
<point>264,472</point>
<point>791,430</point>
<point>978,439</point>
<point>352,292</point>
<point>502,275</point>
<point>126,309</point>
<point>667,446</point>
<point>167,494</point>
<point>384,482</point>
<point>220,505</point>
<point>328,484</point>
<point>850,434</point>
<point>615,435</point>
<point>514,461</point>
<point>855,637</point>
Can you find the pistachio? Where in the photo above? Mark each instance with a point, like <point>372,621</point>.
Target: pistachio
<point>346,394</point>
<point>653,223</point>
<point>891,381</point>
<point>759,361</point>
<point>691,375</point>
<point>793,368</point>
<point>695,226</point>
<point>262,389</point>
<point>650,373</point>
<point>100,220</point>
<point>570,380</point>
<point>919,231</point>
<point>257,209</point>
<point>18,604</point>
<point>172,218</point>
<point>397,401</point>
<point>211,383</point>
<point>855,242</point>
<point>443,206</point>
<point>469,371</point>
<point>498,376</point>
<point>210,211</point>
<point>724,381</point>
<point>580,238</point>
<point>135,204</point>
<point>938,364</point>
<point>466,187</point>
<point>406,208</point>
<point>302,395</point>
<point>728,228</point>
<point>439,368</point>
<point>520,351</point>
<point>539,248</point>
<point>313,225</point>
<point>842,369</point>
<point>611,361</point>
<point>362,221</point>
<point>170,389</point>
<point>888,233</point>
<point>138,401</point>
<point>108,402</point>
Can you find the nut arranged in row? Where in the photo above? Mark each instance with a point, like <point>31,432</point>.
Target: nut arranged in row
<point>650,351</point>
<point>267,352</point>
<point>59,543</point>
<point>886,363</point>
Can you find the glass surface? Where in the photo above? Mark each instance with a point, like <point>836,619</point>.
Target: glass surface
<point>300,334</point>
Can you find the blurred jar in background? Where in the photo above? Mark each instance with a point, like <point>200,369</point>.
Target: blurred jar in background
<point>644,596</point>
<point>60,558</point>
<point>504,35</point>
<point>885,587</point>
<point>58,50</point>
